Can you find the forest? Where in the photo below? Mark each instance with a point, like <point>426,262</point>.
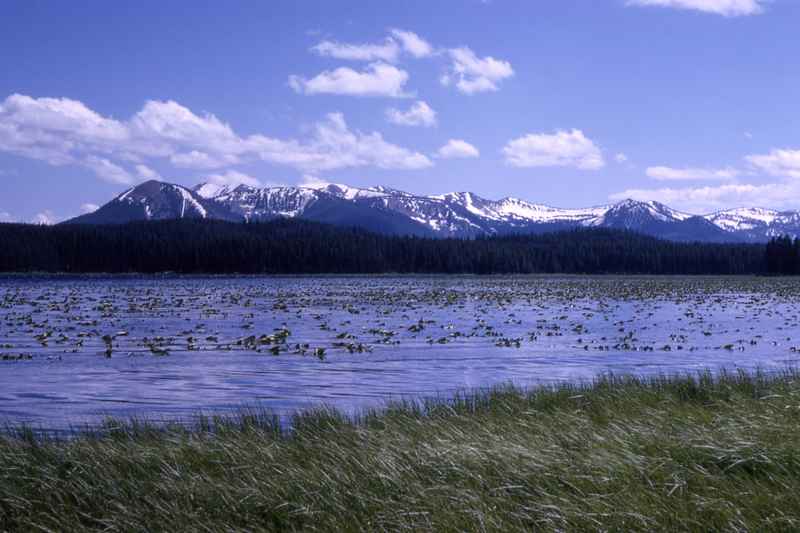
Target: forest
<point>301,247</point>
<point>783,256</point>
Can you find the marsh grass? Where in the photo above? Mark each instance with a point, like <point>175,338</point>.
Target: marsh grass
<point>693,452</point>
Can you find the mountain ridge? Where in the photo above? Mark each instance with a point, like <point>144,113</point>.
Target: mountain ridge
<point>455,214</point>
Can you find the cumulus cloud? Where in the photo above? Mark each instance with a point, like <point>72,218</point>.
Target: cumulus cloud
<point>62,131</point>
<point>379,79</point>
<point>413,43</point>
<point>5,216</point>
<point>471,74</point>
<point>727,8</point>
<point>662,173</point>
<point>621,158</point>
<point>560,149</point>
<point>89,208</point>
<point>779,162</point>
<point>161,128</point>
<point>53,129</point>
<point>419,114</point>
<point>456,148</point>
<point>334,145</point>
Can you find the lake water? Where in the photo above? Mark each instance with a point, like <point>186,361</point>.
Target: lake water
<point>75,350</point>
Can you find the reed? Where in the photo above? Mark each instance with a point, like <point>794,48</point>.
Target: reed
<point>693,452</point>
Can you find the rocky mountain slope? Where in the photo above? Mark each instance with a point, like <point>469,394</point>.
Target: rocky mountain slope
<point>459,214</point>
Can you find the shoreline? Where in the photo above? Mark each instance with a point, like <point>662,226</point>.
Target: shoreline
<point>682,452</point>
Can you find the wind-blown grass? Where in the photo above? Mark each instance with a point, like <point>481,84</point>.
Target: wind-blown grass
<point>681,453</point>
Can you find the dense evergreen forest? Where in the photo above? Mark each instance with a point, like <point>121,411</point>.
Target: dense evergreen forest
<point>298,247</point>
<point>783,256</point>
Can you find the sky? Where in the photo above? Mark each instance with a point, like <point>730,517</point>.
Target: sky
<point>571,103</point>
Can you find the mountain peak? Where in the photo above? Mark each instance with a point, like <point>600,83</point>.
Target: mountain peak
<point>455,214</point>
<point>657,210</point>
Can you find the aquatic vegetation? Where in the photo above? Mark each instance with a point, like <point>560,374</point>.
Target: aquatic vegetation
<point>174,343</point>
<point>686,453</point>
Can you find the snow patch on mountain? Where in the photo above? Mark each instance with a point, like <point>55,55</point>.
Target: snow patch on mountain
<point>253,204</point>
<point>188,199</point>
<point>349,193</point>
<point>456,214</point>
<point>743,218</point>
<point>538,213</point>
<point>211,190</point>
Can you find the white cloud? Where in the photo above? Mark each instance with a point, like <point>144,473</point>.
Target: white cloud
<point>333,145</point>
<point>413,43</point>
<point>783,163</point>
<point>51,129</point>
<point>167,131</point>
<point>678,174</point>
<point>379,79</point>
<point>108,171</point>
<point>704,200</point>
<point>201,160</point>
<point>387,51</point>
<point>89,208</point>
<point>63,131</point>
<point>563,148</point>
<point>779,162</point>
<point>472,74</point>
<point>419,114</point>
<point>727,8</point>
<point>147,173</point>
<point>621,158</point>
<point>162,128</point>
<point>233,178</point>
<point>456,148</point>
<point>5,217</point>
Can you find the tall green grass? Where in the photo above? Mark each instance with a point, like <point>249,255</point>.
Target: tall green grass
<point>625,454</point>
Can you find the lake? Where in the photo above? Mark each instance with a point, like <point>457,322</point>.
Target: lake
<point>74,350</point>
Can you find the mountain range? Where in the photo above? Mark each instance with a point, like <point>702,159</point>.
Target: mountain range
<point>458,214</point>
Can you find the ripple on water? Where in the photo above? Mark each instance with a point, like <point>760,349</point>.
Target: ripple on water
<point>182,345</point>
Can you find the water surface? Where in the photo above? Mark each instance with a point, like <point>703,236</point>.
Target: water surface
<point>75,350</point>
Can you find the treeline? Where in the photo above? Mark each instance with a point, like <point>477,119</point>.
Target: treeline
<point>783,256</point>
<point>298,247</point>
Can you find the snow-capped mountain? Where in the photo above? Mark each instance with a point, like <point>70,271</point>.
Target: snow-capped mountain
<point>154,200</point>
<point>255,204</point>
<point>332,204</point>
<point>458,214</point>
<point>756,224</point>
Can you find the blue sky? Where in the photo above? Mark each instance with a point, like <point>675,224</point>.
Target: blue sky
<point>565,102</point>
